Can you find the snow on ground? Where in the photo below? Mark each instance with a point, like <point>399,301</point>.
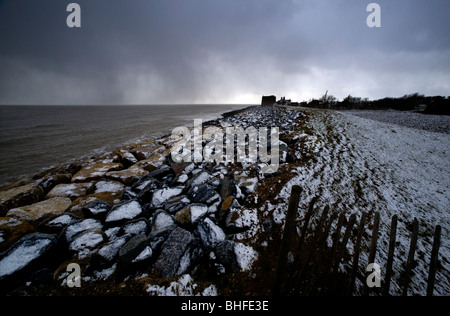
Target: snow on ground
<point>185,286</point>
<point>366,165</point>
<point>431,123</point>
<point>245,256</point>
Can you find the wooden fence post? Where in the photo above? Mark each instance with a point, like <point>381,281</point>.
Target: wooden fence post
<point>318,234</point>
<point>390,260</point>
<point>304,230</point>
<point>412,251</point>
<point>356,254</point>
<point>373,245</point>
<point>289,228</point>
<point>434,260</point>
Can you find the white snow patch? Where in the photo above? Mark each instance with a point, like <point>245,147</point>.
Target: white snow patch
<point>85,242</point>
<point>105,273</point>
<point>11,222</point>
<point>126,211</point>
<point>162,195</point>
<point>108,186</point>
<point>185,286</point>
<point>111,249</point>
<point>197,211</point>
<point>22,256</point>
<point>245,256</point>
<point>182,178</point>
<point>162,221</point>
<point>145,254</point>
<point>136,228</point>
<point>86,224</point>
<point>61,220</point>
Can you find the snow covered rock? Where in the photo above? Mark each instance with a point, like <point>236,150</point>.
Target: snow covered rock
<point>71,190</point>
<point>19,196</point>
<point>123,212</point>
<point>132,250</point>
<point>128,176</point>
<point>38,211</point>
<point>95,171</point>
<point>161,172</point>
<point>26,253</point>
<point>97,209</point>
<point>175,257</point>
<point>162,195</point>
<point>136,227</point>
<point>204,193</point>
<point>108,252</point>
<point>161,222</point>
<point>176,204</point>
<point>85,242</point>
<point>11,230</point>
<point>57,224</point>
<point>74,228</point>
<point>210,233</point>
<point>109,186</point>
<point>145,152</point>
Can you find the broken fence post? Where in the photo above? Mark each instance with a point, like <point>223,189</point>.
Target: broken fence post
<point>289,228</point>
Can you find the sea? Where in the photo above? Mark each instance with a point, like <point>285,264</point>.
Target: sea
<point>36,138</point>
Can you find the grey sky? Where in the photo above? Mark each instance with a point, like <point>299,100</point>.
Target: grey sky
<point>220,51</point>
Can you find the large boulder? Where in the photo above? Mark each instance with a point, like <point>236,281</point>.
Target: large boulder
<point>49,182</point>
<point>210,233</point>
<point>127,176</point>
<point>71,190</point>
<point>97,209</point>
<point>38,211</point>
<point>77,206</point>
<point>108,252</point>
<point>146,151</point>
<point>136,227</point>
<point>85,242</point>
<point>74,228</point>
<point>161,221</point>
<point>176,204</point>
<point>11,230</point>
<point>175,257</point>
<point>204,194</point>
<point>135,250</point>
<point>19,196</point>
<point>109,186</point>
<point>160,196</point>
<point>26,254</point>
<point>95,171</point>
<point>124,212</point>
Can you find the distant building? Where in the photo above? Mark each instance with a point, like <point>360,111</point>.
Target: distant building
<point>269,100</point>
<point>283,101</point>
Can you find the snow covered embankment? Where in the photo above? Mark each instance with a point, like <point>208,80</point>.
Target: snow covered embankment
<point>362,165</point>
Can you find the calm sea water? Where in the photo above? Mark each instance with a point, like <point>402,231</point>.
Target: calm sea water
<point>34,138</point>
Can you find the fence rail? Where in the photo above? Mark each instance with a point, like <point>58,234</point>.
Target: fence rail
<point>314,268</point>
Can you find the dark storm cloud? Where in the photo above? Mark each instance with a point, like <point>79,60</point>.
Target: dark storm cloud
<point>185,51</point>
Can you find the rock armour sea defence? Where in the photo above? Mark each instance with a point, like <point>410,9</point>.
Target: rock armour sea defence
<point>130,212</point>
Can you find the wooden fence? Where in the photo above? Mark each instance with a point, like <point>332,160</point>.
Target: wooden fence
<point>313,267</point>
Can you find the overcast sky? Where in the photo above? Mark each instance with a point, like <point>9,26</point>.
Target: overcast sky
<point>220,51</point>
